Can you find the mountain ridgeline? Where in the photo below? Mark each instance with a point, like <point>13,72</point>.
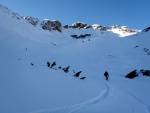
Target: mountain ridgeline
<point>50,25</point>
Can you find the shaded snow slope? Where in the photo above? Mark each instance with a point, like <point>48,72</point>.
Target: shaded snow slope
<point>26,88</point>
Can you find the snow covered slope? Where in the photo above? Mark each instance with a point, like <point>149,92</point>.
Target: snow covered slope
<point>27,85</point>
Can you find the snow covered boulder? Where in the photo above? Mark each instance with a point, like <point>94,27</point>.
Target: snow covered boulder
<point>132,74</point>
<point>74,36</point>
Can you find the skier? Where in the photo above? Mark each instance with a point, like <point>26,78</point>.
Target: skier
<point>106,75</point>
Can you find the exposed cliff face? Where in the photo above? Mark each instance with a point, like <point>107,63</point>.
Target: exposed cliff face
<point>45,24</point>
<point>115,28</point>
<point>79,25</point>
<point>50,25</point>
<point>32,20</point>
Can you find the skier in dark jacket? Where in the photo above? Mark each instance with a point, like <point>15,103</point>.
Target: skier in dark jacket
<point>106,75</point>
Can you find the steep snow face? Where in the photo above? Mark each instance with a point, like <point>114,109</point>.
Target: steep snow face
<point>28,85</point>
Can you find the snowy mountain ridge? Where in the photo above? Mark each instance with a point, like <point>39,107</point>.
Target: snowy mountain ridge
<point>50,25</point>
<point>63,72</point>
<point>122,30</point>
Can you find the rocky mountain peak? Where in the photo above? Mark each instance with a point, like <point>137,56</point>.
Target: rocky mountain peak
<point>45,24</point>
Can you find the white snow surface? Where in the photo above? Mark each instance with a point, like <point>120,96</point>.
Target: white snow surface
<point>39,89</point>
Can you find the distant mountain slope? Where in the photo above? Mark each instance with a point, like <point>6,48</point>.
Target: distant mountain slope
<point>28,85</point>
<point>50,25</point>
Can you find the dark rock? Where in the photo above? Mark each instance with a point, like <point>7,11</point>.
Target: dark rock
<point>87,27</point>
<point>74,36</point>
<point>82,77</point>
<point>53,64</point>
<point>132,75</point>
<point>53,44</point>
<point>77,74</point>
<point>88,35</point>
<point>32,64</point>
<point>51,25</point>
<point>136,46</point>
<point>147,29</point>
<point>59,67</point>
<point>145,72</point>
<point>66,69</point>
<point>81,36</point>
<point>48,64</point>
<point>146,50</point>
<point>32,20</point>
<point>66,26</point>
<point>44,27</point>
<point>79,25</point>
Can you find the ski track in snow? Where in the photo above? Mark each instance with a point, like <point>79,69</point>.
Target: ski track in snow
<point>147,106</point>
<point>126,92</point>
<point>75,108</point>
<point>102,96</point>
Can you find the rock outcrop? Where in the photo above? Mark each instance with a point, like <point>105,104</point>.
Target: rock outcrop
<point>32,20</point>
<point>51,25</point>
<point>132,74</point>
<point>146,29</point>
<point>45,24</point>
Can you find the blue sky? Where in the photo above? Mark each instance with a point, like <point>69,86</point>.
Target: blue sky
<point>132,13</point>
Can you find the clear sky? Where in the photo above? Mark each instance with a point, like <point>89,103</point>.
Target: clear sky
<point>132,13</point>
